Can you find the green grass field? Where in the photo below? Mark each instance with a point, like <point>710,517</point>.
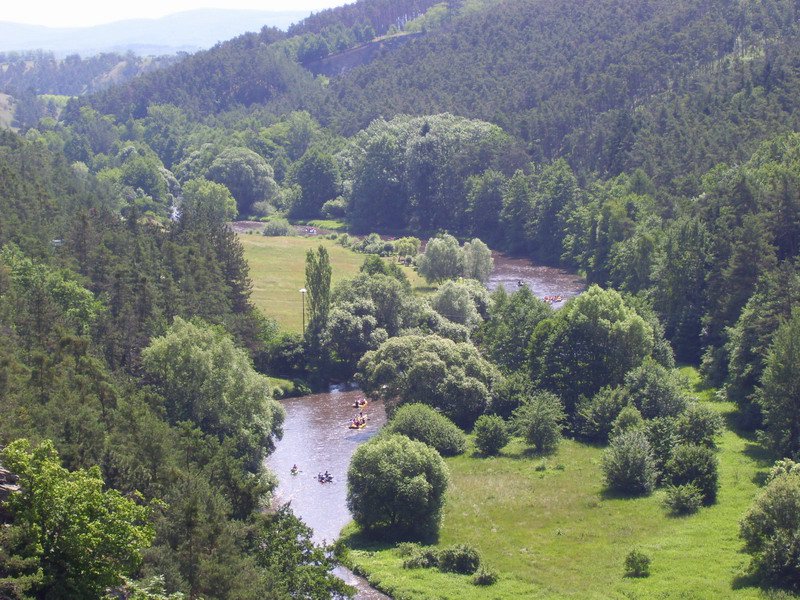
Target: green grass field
<point>550,530</point>
<point>277,269</point>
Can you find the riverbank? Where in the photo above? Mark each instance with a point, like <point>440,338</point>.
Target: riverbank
<point>549,528</point>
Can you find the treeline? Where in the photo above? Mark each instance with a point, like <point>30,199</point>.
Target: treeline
<point>240,72</point>
<point>380,14</point>
<point>42,73</point>
<point>672,88</point>
<point>129,345</point>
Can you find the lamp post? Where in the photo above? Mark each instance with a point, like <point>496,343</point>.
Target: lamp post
<point>303,296</point>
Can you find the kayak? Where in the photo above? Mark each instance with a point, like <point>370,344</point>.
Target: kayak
<point>360,404</point>
<point>354,426</point>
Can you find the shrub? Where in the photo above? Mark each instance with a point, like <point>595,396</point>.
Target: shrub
<point>262,209</point>
<point>661,435</point>
<point>407,548</point>
<point>491,434</point>
<point>396,486</point>
<point>335,209</point>
<point>683,499</point>
<point>484,576</point>
<point>655,391</point>
<point>510,393</point>
<point>421,558</point>
<point>373,244</point>
<point>277,227</point>
<point>698,425</point>
<point>696,465</point>
<point>771,532</point>
<point>628,464</point>
<point>595,417</point>
<point>783,467</point>
<point>460,558</point>
<point>540,421</point>
<point>629,418</point>
<point>421,422</point>
<point>637,564</point>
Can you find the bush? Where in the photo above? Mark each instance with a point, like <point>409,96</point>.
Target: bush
<point>771,532</point>
<point>628,419</point>
<point>655,391</point>
<point>396,487</point>
<point>285,356</point>
<point>595,417</point>
<point>491,434</point>
<point>407,549</point>
<point>421,558</point>
<point>696,465</point>
<point>421,422</point>
<point>335,209</point>
<point>637,564</point>
<point>663,440</point>
<point>262,209</point>
<point>484,576</point>
<point>783,467</point>
<point>628,464</point>
<point>460,558</point>
<point>699,425</point>
<point>510,394</point>
<point>540,421</point>
<point>683,499</point>
<point>373,244</point>
<point>277,227</point>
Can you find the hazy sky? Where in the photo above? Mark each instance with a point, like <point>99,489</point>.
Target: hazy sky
<point>79,13</point>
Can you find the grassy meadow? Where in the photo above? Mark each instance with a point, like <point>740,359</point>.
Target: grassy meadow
<point>549,528</point>
<point>277,269</point>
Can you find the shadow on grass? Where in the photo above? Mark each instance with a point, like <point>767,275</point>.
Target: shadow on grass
<point>355,538</point>
<point>612,494</point>
<point>746,580</point>
<point>528,453</point>
<point>480,455</point>
<point>758,454</point>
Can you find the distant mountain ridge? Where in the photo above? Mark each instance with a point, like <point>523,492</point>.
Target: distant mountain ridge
<point>187,31</point>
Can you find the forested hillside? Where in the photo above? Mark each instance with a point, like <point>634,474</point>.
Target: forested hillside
<point>610,86</point>
<point>42,73</point>
<point>104,316</point>
<point>650,146</point>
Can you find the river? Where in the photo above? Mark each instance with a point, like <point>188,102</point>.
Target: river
<point>544,282</point>
<point>316,437</point>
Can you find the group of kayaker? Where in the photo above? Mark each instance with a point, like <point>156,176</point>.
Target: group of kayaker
<point>321,477</point>
<point>359,421</point>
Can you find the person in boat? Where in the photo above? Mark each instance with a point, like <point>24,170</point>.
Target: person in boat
<point>519,283</point>
<point>294,470</point>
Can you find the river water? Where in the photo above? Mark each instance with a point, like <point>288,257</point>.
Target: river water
<point>544,282</point>
<point>316,437</point>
